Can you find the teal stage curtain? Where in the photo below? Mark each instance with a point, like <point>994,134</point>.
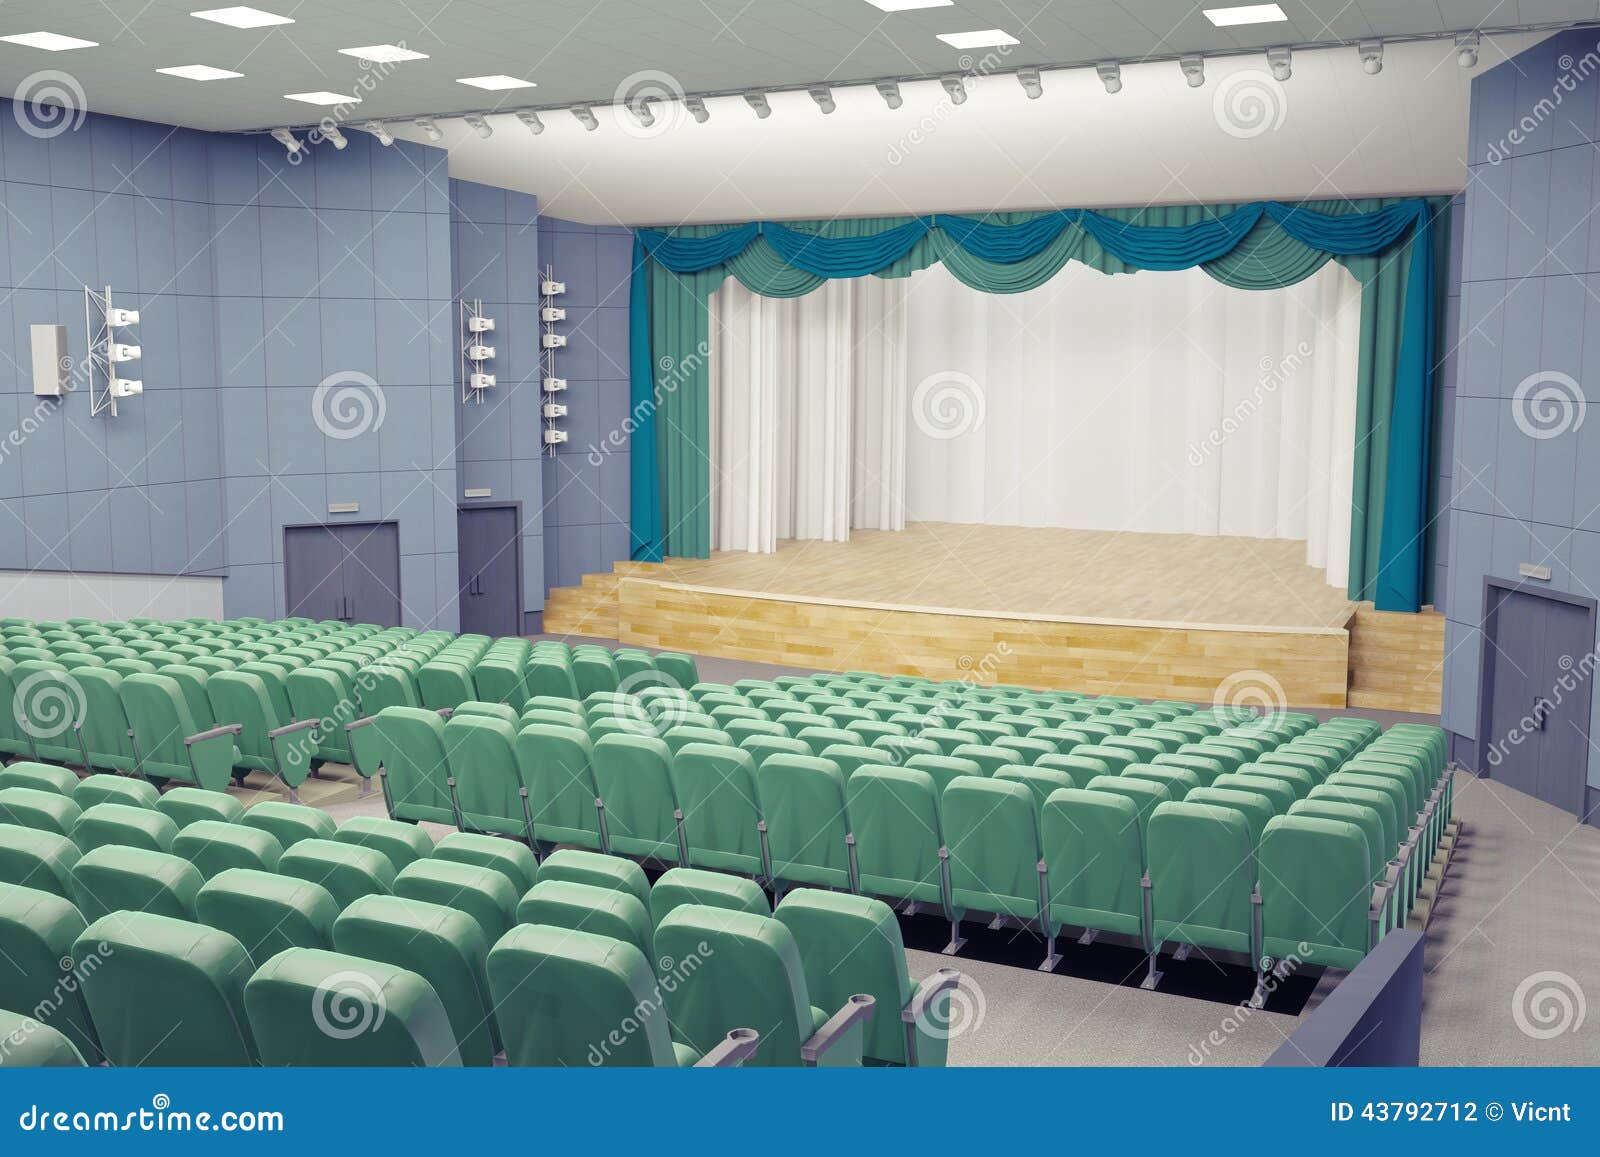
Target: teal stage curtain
<point>1389,245</point>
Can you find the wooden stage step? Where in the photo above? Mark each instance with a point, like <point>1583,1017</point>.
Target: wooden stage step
<point>590,610</point>
<point>1396,660</point>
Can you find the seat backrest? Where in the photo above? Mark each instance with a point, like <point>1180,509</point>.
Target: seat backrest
<point>560,995</point>
<point>482,893</point>
<point>899,829</point>
<point>39,776</point>
<point>116,823</point>
<point>1256,808</point>
<point>512,860</point>
<point>187,805</point>
<point>736,970</point>
<point>167,992</point>
<point>679,886</point>
<point>39,974</point>
<point>992,830</point>
<point>29,1044</point>
<point>481,754</point>
<point>214,846</point>
<point>44,811</point>
<point>1094,849</point>
<point>1316,877</point>
<point>113,878</point>
<point>632,775</point>
<point>289,823</point>
<point>159,715</point>
<point>346,870</point>
<point>35,859</point>
<point>1202,874</point>
<point>1144,794</point>
<point>556,764</point>
<point>808,820</point>
<point>416,763</point>
<point>402,844</point>
<point>850,944</point>
<point>98,789</point>
<point>105,723</point>
<point>445,947</point>
<point>716,789</point>
<point>565,904</point>
<point>267,912</point>
<point>311,1008</point>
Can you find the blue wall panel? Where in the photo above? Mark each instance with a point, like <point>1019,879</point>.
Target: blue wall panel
<point>1525,485</point>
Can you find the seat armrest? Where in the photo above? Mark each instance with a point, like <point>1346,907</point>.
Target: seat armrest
<point>291,728</point>
<point>356,724</point>
<point>214,733</point>
<point>921,1002</point>
<point>445,712</point>
<point>844,1029</point>
<point>732,1050</point>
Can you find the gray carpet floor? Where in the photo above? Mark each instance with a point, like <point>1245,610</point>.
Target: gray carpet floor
<point>1513,954</point>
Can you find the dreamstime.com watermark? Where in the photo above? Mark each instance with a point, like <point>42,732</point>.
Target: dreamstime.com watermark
<point>1239,1015</point>
<point>1574,675</point>
<point>671,374</point>
<point>1275,374</point>
<point>67,986</point>
<point>1547,1005</point>
<point>671,974</point>
<point>1573,73</point>
<point>159,1117</point>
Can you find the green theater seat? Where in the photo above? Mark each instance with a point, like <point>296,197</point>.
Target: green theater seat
<point>561,994</point>
<point>808,821</point>
<point>187,805</point>
<point>715,787</point>
<point>403,844</point>
<point>445,947</point>
<point>602,871</point>
<point>747,971</point>
<point>114,823</point>
<point>214,846</point>
<point>169,740</point>
<point>1041,781</point>
<point>557,763</point>
<point>482,893</point>
<point>633,777</point>
<point>1317,900</point>
<point>346,870</point>
<point>490,785</point>
<point>267,912</point>
<point>43,811</point>
<point>167,992</point>
<point>898,822</point>
<point>289,823</point>
<point>114,879</point>
<point>1094,852</point>
<point>564,904</point>
<point>681,886</point>
<point>996,860</point>
<point>98,789</point>
<point>512,860</point>
<point>852,944</point>
<point>39,972</point>
<point>39,777</point>
<point>311,1008</point>
<point>33,859</point>
<point>27,1044</point>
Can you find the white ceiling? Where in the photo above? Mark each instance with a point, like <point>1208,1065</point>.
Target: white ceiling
<point>1330,131</point>
<point>586,50</point>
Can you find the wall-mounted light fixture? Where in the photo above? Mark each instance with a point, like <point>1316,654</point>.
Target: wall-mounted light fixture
<point>110,357</point>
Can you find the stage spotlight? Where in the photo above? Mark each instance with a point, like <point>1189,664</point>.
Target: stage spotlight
<point>288,140</point>
<point>1467,49</point>
<point>1281,62</point>
<point>697,109</point>
<point>477,124</point>
<point>585,116</point>
<point>332,134</point>
<point>758,102</point>
<point>430,128</point>
<point>1371,53</point>
<point>956,87</point>
<point>824,98</point>
<point>1110,73</point>
<point>890,91</point>
<point>1194,70</point>
<point>530,118</point>
<point>377,129</point>
<point>640,109</point>
<point>1028,78</point>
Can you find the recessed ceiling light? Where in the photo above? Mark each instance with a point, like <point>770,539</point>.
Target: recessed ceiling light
<point>199,72</point>
<point>908,5</point>
<point>243,17</point>
<point>987,38</point>
<point>1245,14</point>
<point>323,97</point>
<point>49,41</point>
<point>384,53</point>
<point>495,83</point>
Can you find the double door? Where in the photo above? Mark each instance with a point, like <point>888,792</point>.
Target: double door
<point>349,572</point>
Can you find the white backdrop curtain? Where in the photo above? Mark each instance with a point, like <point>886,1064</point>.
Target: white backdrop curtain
<point>807,401</point>
<point>1162,402</point>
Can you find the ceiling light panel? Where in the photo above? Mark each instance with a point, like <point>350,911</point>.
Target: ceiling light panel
<point>1244,14</point>
<point>384,53</point>
<point>986,38</point>
<point>243,16</point>
<point>323,98</point>
<point>49,41</point>
<point>908,5</point>
<point>497,83</point>
<point>199,72</point>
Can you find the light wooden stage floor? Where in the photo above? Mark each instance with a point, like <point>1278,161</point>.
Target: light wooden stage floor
<point>1150,615</point>
<point>1172,580</point>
